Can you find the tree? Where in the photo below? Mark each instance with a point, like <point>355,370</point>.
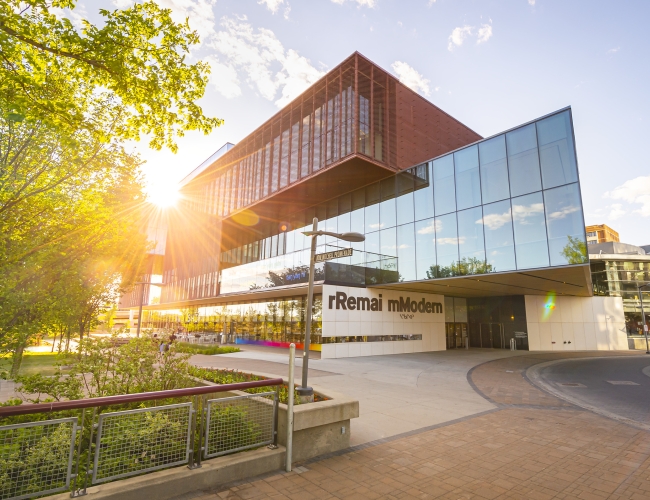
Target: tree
<point>575,251</point>
<point>133,66</point>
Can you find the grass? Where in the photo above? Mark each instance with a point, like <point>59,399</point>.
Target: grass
<point>204,349</point>
<point>33,363</point>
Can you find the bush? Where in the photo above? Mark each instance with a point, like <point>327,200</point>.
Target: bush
<point>186,347</point>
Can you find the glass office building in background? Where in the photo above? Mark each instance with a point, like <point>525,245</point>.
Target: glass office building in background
<point>493,227</point>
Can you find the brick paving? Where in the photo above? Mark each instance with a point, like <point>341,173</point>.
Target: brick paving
<point>534,446</point>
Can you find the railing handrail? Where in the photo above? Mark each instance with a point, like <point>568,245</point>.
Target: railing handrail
<point>10,411</point>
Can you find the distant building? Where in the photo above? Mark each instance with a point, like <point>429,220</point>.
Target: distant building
<point>617,269</point>
<point>600,233</point>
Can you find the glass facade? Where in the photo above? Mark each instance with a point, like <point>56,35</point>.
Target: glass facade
<point>620,278</point>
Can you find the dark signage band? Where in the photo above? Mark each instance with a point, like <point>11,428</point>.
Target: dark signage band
<point>322,257</point>
<point>342,301</point>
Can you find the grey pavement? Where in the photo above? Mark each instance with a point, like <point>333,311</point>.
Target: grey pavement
<point>617,387</point>
<point>397,393</point>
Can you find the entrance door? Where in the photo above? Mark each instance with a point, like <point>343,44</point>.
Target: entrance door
<point>492,335</point>
<point>456,335</point>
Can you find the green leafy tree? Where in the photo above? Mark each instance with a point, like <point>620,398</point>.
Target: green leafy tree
<point>575,251</point>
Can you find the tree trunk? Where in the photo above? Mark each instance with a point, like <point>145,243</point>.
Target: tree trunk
<point>17,359</point>
<point>67,342</point>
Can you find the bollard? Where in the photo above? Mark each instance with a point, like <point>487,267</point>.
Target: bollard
<point>513,344</point>
<point>292,360</point>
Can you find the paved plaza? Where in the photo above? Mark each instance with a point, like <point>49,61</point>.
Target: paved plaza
<point>521,442</point>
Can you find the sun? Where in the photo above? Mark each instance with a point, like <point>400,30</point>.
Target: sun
<point>163,195</point>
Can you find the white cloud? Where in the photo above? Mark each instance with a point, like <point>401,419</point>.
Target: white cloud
<point>495,221</point>
<point>616,211</point>
<point>561,214</point>
<point>531,2</point>
<point>360,3</point>
<point>259,55</point>
<point>458,36</point>
<point>199,13</point>
<point>635,191</point>
<point>410,77</point>
<point>431,2</point>
<point>272,5</point>
<point>450,241</point>
<point>484,33</point>
<point>430,228</point>
<point>614,50</point>
<point>522,213</point>
<point>224,78</point>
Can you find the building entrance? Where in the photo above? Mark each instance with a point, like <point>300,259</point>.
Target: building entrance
<point>456,335</point>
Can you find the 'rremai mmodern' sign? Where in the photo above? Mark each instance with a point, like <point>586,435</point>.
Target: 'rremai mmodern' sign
<point>341,300</point>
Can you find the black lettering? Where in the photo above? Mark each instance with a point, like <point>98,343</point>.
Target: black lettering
<point>414,306</point>
<point>437,307</point>
<point>405,305</point>
<point>374,305</point>
<point>363,303</point>
<point>393,305</point>
<point>340,300</point>
<point>352,303</point>
<point>332,297</point>
<point>428,307</point>
<point>380,301</point>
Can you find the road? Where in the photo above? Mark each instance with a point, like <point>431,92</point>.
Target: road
<point>617,387</point>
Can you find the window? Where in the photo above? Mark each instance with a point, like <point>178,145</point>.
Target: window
<point>406,252</point>
<point>446,246</point>
<point>404,202</point>
<point>494,170</point>
<point>423,195</point>
<point>443,185</point>
<point>499,242</point>
<point>387,216</point>
<point>556,152</point>
<point>388,241</point>
<point>523,161</point>
<point>530,231</point>
<point>566,242</point>
<point>468,181</point>
<point>372,208</point>
<point>471,248</point>
<point>425,249</point>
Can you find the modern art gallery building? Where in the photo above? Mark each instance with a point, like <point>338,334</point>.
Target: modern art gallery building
<point>468,240</point>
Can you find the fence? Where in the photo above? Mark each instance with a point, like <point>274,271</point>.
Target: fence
<point>71,445</point>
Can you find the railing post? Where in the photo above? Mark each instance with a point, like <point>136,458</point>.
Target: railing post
<point>90,450</point>
<point>289,447</point>
<point>200,413</point>
<point>75,491</point>
<point>276,404</point>
<point>190,451</point>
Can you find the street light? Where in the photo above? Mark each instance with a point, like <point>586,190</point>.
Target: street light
<point>304,391</point>
<point>643,325</point>
<point>143,283</point>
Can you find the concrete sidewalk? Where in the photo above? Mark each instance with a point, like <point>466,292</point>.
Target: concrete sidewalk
<point>530,445</point>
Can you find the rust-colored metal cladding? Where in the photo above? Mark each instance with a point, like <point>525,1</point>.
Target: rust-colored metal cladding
<point>356,125</point>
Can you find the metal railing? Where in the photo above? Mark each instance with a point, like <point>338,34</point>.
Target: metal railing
<point>71,445</point>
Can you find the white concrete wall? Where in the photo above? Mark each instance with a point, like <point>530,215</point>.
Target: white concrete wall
<point>343,323</point>
<point>575,323</point>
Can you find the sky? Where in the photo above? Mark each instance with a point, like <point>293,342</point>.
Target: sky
<point>490,64</point>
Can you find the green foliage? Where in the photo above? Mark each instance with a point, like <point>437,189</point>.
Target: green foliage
<point>34,459</point>
<point>132,65</point>
<point>236,429</point>
<point>575,251</point>
<point>462,267</point>
<point>219,376</point>
<point>189,348</point>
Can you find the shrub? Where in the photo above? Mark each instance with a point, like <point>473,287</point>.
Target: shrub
<point>188,348</point>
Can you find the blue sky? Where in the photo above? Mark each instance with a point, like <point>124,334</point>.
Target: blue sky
<point>490,64</point>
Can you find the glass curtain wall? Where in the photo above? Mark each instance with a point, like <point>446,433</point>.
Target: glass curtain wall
<point>491,207</point>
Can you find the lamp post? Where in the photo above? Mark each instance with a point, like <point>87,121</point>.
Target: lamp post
<point>643,325</point>
<point>142,284</point>
<point>305,392</point>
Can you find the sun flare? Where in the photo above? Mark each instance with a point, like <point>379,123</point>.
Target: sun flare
<point>163,196</point>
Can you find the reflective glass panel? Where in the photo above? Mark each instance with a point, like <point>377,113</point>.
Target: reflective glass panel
<point>387,213</point>
<point>404,205</point>
<point>423,195</point>
<point>289,241</point>
<point>530,231</point>
<point>499,240</point>
<point>388,242</point>
<point>406,252</point>
<point>425,249</point>
<point>372,244</point>
<point>371,215</point>
<point>556,152</point>
<point>471,249</point>
<point>566,239</point>
<point>494,169</point>
<point>446,246</point>
<point>356,221</point>
<point>344,223</point>
<point>468,182</point>
<point>443,185</point>
<point>523,161</point>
